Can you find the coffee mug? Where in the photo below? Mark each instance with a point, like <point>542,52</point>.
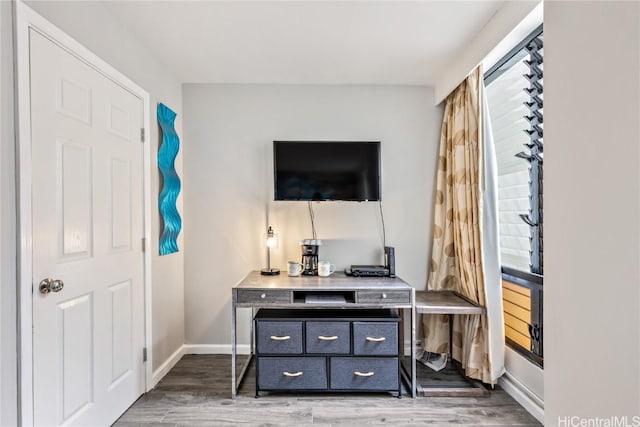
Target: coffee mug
<point>325,268</point>
<point>294,268</point>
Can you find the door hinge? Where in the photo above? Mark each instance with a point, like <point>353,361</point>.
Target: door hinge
<point>142,135</point>
<point>144,354</point>
<point>144,244</point>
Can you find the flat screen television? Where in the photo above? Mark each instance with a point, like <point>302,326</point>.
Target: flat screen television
<point>323,170</point>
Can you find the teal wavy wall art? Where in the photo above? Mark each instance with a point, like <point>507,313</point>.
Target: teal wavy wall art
<point>167,153</point>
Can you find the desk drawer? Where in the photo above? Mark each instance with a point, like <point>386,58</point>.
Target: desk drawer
<point>382,297</point>
<point>328,337</point>
<point>263,296</point>
<point>375,338</point>
<point>279,337</point>
<point>292,373</point>
<point>364,373</point>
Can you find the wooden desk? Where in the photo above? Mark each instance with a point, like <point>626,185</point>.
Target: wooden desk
<point>450,303</point>
<point>281,291</point>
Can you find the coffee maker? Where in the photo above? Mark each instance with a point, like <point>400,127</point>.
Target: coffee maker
<point>309,248</point>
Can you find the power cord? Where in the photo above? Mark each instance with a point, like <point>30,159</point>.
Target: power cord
<point>384,232</point>
<point>312,216</point>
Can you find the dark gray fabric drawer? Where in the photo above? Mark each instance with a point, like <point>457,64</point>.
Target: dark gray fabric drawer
<point>364,373</point>
<point>279,337</point>
<point>375,338</point>
<point>292,373</point>
<point>328,337</point>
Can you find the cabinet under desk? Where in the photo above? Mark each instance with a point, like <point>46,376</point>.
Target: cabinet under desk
<point>337,292</point>
<point>327,351</point>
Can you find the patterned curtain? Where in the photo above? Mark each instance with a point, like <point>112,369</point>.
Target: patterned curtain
<point>456,262</point>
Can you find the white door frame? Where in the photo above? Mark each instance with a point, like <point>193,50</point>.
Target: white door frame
<point>25,20</point>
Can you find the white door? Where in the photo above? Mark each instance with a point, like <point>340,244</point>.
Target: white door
<point>87,198</point>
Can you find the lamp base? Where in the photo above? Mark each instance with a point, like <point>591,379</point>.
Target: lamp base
<point>270,271</point>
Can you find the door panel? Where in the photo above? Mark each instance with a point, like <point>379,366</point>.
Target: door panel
<point>122,334</point>
<point>76,358</point>
<point>75,170</point>
<point>121,206</point>
<point>119,122</point>
<point>87,224</point>
<point>74,99</point>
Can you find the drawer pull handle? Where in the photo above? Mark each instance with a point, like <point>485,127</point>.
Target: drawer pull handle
<point>292,374</point>
<point>363,374</point>
<point>263,296</point>
<point>323,338</point>
<point>384,296</point>
<point>373,339</point>
<point>283,338</point>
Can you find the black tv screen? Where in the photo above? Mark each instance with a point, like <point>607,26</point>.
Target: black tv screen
<point>340,170</point>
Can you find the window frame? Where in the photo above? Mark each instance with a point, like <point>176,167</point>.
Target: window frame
<point>511,56</point>
<point>533,280</point>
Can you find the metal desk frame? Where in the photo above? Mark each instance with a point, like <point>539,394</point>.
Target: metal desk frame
<point>449,303</point>
<point>281,285</point>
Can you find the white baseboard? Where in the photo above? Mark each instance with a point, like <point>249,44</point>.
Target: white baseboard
<point>525,397</point>
<point>171,361</point>
<point>214,348</point>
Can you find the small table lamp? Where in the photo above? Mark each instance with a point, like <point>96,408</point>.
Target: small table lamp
<point>271,240</point>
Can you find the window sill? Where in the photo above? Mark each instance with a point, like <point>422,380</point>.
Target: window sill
<point>533,358</point>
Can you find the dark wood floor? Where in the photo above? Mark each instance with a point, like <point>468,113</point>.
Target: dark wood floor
<point>197,393</point>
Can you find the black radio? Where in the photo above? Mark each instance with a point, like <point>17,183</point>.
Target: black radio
<point>367,271</point>
<point>386,270</point>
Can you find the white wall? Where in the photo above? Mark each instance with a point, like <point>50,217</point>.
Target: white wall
<point>8,367</point>
<point>228,165</point>
<point>91,24</point>
<point>592,210</point>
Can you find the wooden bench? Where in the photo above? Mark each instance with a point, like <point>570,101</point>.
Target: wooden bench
<point>449,303</point>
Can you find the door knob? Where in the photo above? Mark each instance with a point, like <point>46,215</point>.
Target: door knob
<point>49,285</point>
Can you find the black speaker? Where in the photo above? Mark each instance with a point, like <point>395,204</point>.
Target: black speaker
<point>390,260</point>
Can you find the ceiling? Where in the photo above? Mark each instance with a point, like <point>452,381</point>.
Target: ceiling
<point>306,42</point>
